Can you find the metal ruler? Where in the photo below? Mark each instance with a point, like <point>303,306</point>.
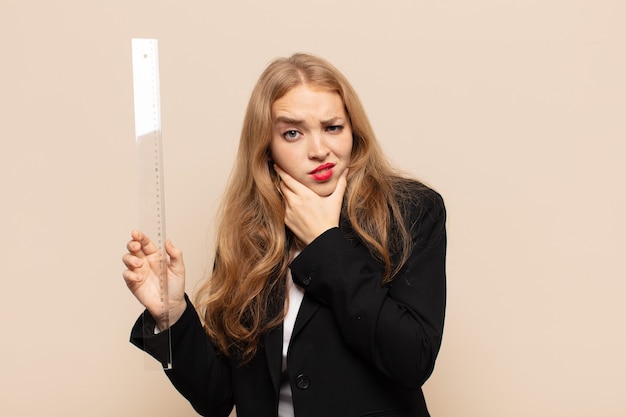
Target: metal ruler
<point>147,101</point>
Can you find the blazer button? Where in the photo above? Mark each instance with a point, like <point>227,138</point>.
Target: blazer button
<point>302,381</point>
<point>306,281</point>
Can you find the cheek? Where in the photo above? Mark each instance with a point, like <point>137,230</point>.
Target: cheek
<point>280,154</point>
<point>347,147</point>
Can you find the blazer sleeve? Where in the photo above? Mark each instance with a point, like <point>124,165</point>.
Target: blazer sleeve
<point>397,328</point>
<point>198,372</point>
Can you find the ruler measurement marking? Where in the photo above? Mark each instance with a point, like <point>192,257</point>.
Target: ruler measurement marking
<point>150,158</point>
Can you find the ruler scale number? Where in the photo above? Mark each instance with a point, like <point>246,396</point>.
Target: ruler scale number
<point>149,145</point>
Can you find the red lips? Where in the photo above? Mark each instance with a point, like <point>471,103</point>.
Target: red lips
<point>329,165</point>
<point>323,172</point>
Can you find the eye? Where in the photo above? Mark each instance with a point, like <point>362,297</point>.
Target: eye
<point>334,129</point>
<point>291,134</point>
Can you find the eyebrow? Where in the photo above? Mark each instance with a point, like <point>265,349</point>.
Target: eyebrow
<point>289,121</point>
<point>296,122</point>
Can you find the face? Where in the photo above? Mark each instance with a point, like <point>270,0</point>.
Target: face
<point>312,137</point>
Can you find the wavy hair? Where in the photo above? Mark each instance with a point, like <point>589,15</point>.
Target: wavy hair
<point>244,295</point>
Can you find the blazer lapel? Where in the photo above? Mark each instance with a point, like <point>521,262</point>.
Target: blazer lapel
<point>274,340</point>
<point>307,310</point>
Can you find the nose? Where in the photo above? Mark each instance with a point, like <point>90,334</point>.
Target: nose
<point>318,148</point>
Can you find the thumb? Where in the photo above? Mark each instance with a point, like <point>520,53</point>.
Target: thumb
<point>342,184</point>
<point>176,257</point>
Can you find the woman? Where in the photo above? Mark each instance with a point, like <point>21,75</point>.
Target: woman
<point>327,294</point>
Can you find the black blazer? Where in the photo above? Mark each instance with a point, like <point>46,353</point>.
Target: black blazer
<point>357,349</point>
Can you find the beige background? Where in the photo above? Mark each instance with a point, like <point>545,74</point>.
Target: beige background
<point>514,110</point>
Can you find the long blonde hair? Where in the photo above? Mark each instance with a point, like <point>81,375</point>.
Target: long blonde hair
<point>244,296</point>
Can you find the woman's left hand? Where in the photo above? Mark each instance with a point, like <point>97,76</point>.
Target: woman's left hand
<point>307,214</point>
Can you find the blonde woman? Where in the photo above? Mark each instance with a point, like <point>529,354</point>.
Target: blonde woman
<point>327,295</point>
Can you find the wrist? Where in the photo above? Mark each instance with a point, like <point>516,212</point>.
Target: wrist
<point>175,313</point>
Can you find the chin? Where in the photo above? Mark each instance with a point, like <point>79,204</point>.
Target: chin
<point>325,189</point>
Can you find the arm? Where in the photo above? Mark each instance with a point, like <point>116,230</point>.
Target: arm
<point>396,328</point>
<point>198,372</point>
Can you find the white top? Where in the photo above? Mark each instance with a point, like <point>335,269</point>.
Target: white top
<point>294,300</point>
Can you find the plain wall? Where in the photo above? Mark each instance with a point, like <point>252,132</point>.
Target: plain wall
<point>514,110</point>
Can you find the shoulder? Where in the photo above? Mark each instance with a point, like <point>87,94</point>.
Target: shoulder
<point>423,212</point>
<point>418,200</point>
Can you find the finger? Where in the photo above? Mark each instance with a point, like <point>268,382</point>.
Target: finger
<point>133,246</point>
<point>131,277</point>
<point>288,181</point>
<point>286,192</point>
<point>283,185</point>
<point>279,171</point>
<point>132,262</point>
<point>146,246</point>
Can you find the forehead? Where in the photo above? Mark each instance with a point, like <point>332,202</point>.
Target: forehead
<point>305,100</point>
